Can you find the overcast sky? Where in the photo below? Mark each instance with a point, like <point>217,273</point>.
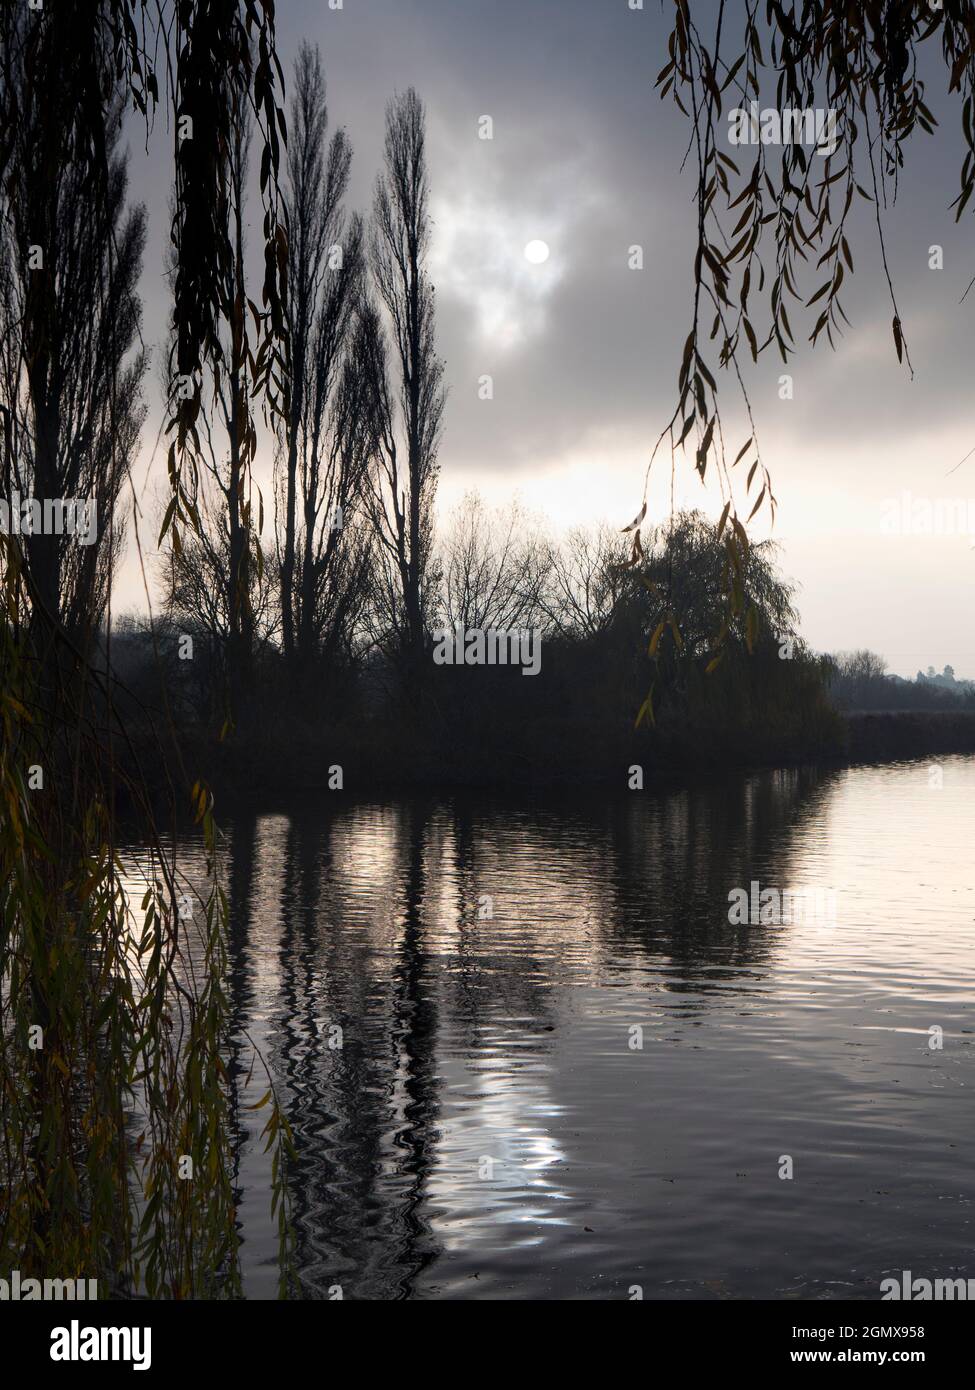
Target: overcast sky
<point>584,351</point>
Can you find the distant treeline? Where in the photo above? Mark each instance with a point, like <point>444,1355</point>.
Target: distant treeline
<point>859,681</point>
<point>600,700</point>
<point>560,661</point>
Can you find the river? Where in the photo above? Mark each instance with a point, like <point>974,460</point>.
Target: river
<point>530,1050</point>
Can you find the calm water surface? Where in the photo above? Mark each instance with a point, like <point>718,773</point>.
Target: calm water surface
<point>488,1128</point>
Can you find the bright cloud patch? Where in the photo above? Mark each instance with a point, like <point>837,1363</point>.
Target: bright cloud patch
<point>484,255</point>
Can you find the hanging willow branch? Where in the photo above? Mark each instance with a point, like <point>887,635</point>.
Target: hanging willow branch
<point>771,235</point>
<point>117,1110</point>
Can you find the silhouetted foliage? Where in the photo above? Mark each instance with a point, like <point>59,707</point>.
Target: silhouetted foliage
<point>773,235</point>
<point>93,953</point>
<point>411,408</point>
<point>329,440</point>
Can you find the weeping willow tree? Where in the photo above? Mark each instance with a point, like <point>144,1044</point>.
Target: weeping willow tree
<point>118,1114</point>
<point>771,238</point>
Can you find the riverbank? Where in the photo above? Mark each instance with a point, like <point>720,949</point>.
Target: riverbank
<point>287,758</point>
<point>893,735</point>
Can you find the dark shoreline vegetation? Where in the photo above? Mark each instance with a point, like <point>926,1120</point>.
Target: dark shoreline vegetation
<point>575,723</point>
<point>631,683</point>
<point>291,760</point>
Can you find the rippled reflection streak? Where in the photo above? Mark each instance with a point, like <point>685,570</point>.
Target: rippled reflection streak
<point>484,962</point>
